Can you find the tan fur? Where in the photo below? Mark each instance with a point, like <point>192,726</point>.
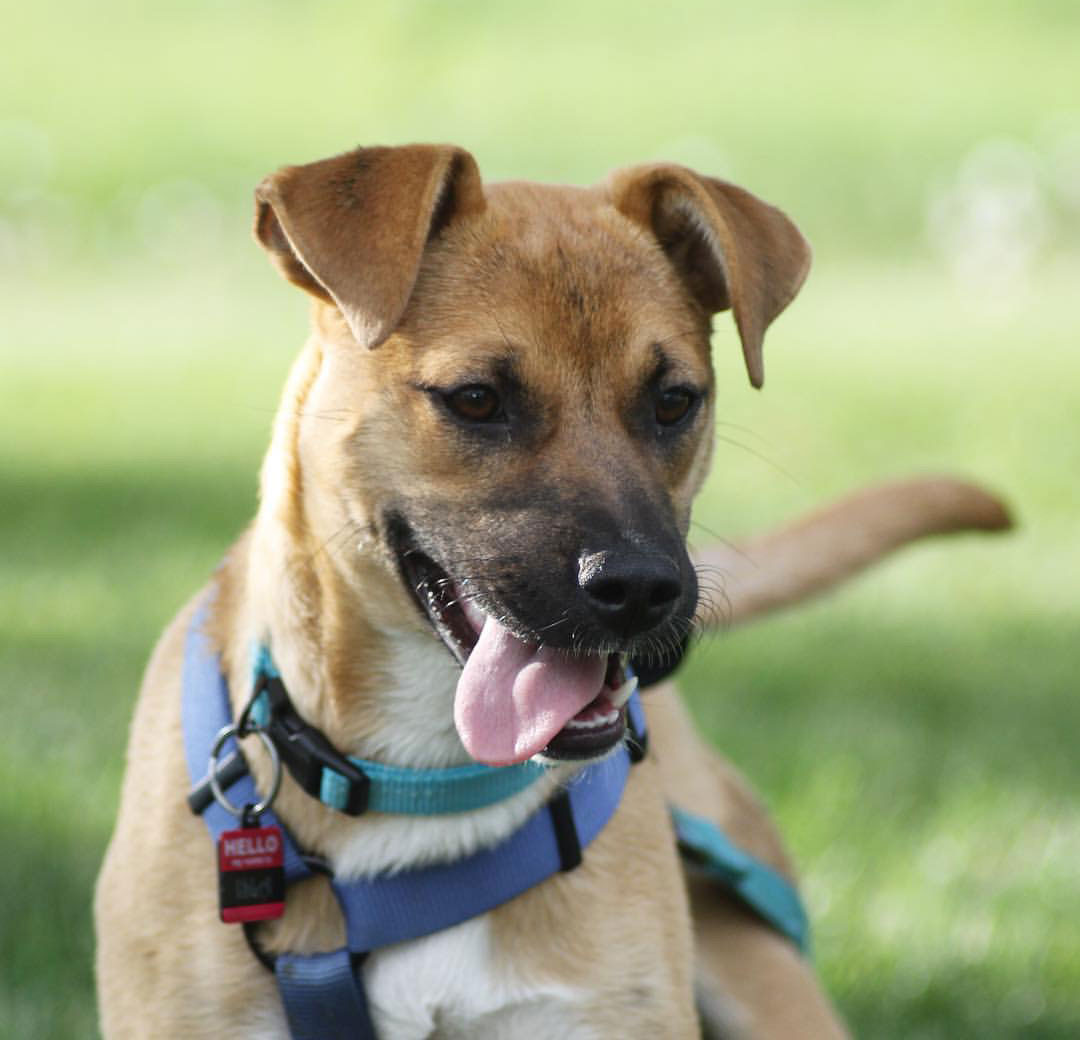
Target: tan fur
<point>422,278</point>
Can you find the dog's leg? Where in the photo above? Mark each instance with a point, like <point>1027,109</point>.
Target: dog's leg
<point>814,554</point>
<point>752,981</point>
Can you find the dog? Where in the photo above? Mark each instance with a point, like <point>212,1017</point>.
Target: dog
<point>472,526</point>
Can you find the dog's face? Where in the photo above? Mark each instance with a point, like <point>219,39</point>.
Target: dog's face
<point>528,377</point>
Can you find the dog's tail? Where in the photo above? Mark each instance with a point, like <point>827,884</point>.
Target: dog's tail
<point>746,579</point>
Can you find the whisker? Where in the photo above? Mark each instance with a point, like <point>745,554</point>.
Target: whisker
<point>761,457</point>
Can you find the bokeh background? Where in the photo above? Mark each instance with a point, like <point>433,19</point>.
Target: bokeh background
<point>915,734</point>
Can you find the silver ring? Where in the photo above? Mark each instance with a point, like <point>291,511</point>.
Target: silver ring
<point>275,762</point>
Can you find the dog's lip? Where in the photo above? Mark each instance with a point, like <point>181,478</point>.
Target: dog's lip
<point>456,618</point>
<point>441,600</point>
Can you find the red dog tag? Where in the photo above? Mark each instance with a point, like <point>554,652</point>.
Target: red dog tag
<point>251,874</point>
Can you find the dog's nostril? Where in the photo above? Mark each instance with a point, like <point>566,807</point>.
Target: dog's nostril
<point>664,593</point>
<point>607,591</point>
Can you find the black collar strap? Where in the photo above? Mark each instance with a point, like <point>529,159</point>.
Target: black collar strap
<point>304,750</point>
<point>354,785</point>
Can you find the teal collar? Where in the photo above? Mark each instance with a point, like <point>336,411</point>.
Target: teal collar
<point>355,785</point>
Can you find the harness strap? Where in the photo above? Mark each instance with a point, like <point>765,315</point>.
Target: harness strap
<point>204,711</point>
<point>321,991</point>
<point>769,894</point>
<point>323,996</point>
<point>407,905</point>
<point>566,835</point>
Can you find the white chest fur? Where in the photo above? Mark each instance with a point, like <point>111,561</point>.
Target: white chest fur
<point>453,986</point>
<point>417,731</point>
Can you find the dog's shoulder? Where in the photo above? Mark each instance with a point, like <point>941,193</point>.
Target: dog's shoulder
<point>698,780</point>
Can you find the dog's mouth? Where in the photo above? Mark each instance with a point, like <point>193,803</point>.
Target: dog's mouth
<point>517,698</point>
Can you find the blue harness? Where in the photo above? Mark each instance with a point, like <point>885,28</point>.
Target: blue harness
<point>323,994</point>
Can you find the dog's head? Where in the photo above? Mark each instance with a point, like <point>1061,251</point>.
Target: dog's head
<point>525,376</point>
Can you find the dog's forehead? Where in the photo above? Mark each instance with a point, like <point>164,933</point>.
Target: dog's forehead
<point>569,241</point>
<point>550,267</point>
<point>537,219</point>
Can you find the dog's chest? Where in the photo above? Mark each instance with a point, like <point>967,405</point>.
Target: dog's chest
<point>455,984</point>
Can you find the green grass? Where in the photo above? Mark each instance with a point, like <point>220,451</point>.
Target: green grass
<point>914,734</point>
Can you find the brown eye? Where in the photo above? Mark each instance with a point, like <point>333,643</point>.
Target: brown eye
<point>475,403</point>
<point>672,406</point>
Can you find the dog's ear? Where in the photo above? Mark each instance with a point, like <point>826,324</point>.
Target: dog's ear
<point>351,230</point>
<point>730,248</point>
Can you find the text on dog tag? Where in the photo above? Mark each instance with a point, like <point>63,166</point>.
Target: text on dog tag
<point>251,874</point>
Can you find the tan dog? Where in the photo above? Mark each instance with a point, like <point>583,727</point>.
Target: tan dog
<point>474,506</point>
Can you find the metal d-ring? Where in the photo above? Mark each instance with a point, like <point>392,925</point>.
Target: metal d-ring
<point>258,808</point>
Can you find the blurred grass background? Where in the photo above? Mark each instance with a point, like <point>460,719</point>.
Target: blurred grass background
<point>915,734</point>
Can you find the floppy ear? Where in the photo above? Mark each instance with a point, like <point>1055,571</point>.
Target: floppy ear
<point>730,248</point>
<point>351,230</point>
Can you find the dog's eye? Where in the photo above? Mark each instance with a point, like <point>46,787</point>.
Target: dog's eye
<point>672,406</point>
<point>475,403</point>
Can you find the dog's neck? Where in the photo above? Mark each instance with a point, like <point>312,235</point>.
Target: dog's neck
<point>359,662</point>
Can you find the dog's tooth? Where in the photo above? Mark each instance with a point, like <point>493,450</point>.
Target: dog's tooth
<point>624,692</point>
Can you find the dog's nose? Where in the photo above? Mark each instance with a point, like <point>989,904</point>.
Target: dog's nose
<point>629,592</point>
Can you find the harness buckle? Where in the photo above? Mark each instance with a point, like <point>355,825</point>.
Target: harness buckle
<point>307,753</point>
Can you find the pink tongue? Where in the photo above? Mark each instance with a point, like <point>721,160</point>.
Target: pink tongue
<point>513,697</point>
